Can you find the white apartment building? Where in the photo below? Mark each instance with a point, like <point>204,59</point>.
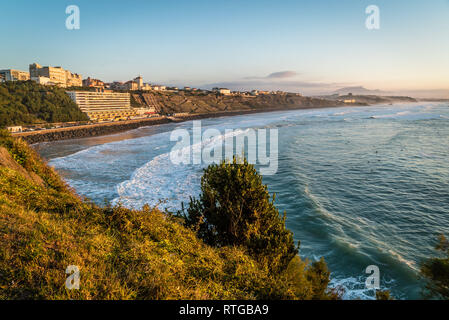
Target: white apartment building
<point>55,75</point>
<point>103,105</point>
<point>15,129</point>
<point>159,88</point>
<point>223,91</point>
<point>14,75</point>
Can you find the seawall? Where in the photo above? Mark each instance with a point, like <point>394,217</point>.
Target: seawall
<point>116,127</point>
<point>99,129</point>
<point>87,130</point>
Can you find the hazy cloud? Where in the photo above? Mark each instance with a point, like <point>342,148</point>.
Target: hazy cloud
<point>276,75</point>
<point>291,82</point>
<point>281,80</point>
<point>282,75</point>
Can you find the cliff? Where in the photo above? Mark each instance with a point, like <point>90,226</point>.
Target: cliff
<point>191,102</point>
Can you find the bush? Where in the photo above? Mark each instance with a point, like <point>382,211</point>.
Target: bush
<point>436,271</point>
<point>235,209</point>
<point>383,295</point>
<point>122,253</point>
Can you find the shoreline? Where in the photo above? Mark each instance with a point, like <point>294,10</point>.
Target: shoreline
<point>102,129</point>
<point>109,128</point>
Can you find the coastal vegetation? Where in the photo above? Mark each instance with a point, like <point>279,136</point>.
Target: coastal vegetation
<point>142,254</point>
<point>230,243</point>
<point>235,209</point>
<point>436,271</point>
<point>26,102</point>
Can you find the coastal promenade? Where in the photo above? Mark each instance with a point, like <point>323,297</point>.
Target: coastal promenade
<point>91,130</point>
<point>106,128</point>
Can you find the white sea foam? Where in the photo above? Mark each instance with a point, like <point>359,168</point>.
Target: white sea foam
<point>354,287</point>
<point>409,263</point>
<point>160,179</point>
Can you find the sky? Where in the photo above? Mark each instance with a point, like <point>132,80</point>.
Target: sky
<point>312,47</point>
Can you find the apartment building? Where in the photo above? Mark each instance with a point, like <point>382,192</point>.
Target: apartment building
<point>14,75</point>
<point>95,83</point>
<point>132,85</point>
<point>223,91</point>
<point>159,88</point>
<point>124,86</point>
<point>55,75</point>
<point>103,105</point>
<point>15,129</point>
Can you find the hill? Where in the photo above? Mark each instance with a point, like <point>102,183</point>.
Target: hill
<point>192,102</point>
<point>358,90</point>
<point>121,254</point>
<point>26,102</point>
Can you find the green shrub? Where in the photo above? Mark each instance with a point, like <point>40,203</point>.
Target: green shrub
<point>436,271</point>
<point>123,253</point>
<point>235,209</point>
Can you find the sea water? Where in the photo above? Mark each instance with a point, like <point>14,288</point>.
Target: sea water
<point>360,186</point>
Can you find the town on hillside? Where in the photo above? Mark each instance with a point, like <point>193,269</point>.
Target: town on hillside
<point>114,101</point>
<point>135,99</point>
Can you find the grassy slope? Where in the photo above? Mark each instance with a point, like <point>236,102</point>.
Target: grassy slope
<point>122,254</point>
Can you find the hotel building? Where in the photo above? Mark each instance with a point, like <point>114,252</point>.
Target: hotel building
<point>103,105</point>
<point>14,75</point>
<point>55,75</point>
<point>93,83</point>
<point>132,85</point>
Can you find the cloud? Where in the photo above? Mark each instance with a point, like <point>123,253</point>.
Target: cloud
<point>282,75</point>
<point>276,75</point>
<point>281,80</point>
<point>291,82</point>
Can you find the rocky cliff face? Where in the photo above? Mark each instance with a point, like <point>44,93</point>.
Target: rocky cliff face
<point>168,103</point>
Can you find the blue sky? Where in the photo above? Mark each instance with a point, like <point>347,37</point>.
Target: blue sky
<point>310,46</point>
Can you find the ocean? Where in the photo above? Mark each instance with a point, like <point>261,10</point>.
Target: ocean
<point>360,186</point>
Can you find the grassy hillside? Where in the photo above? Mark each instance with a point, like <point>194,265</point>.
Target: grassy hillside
<point>166,102</point>
<point>25,102</point>
<point>121,253</point>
